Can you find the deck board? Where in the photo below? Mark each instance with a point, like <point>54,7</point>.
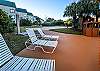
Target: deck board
<point>73,53</point>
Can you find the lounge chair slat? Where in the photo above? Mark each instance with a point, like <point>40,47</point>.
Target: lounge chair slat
<point>21,64</point>
<point>36,66</point>
<point>42,65</point>
<point>40,42</point>
<point>11,62</point>
<point>4,57</point>
<point>51,43</point>
<point>33,65</point>
<point>4,52</point>
<point>48,65</point>
<point>27,65</point>
<point>52,65</point>
<point>3,49</point>
<point>15,64</point>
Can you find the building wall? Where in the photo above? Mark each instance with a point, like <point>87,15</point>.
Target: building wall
<point>10,12</point>
<point>22,15</point>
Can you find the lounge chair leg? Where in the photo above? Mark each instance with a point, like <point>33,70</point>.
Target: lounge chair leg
<point>34,48</point>
<point>48,52</point>
<point>53,50</point>
<point>27,45</point>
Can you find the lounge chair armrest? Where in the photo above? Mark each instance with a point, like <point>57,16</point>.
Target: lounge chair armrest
<point>49,39</point>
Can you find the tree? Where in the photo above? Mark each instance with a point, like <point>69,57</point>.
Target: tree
<point>68,22</point>
<point>25,22</point>
<point>6,25</point>
<point>71,11</point>
<point>52,22</point>
<point>87,7</point>
<point>38,20</point>
<point>49,22</point>
<point>49,19</point>
<point>59,22</point>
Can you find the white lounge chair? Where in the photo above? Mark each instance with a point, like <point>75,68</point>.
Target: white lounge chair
<point>39,36</point>
<point>8,62</point>
<point>46,36</point>
<point>39,42</point>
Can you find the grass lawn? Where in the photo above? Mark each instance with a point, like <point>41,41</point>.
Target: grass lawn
<point>67,31</point>
<point>23,28</point>
<point>15,42</point>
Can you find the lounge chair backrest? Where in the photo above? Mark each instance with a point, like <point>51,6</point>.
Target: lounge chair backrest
<point>40,31</point>
<point>31,34</point>
<point>5,54</point>
<point>37,33</point>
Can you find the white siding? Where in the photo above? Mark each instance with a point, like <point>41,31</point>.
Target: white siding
<point>8,11</point>
<point>22,15</point>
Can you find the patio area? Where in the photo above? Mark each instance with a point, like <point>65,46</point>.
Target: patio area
<point>73,53</point>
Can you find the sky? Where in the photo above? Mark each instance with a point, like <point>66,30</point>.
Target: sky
<point>44,8</point>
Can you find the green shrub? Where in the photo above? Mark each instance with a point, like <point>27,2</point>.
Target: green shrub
<point>58,23</point>
<point>6,25</point>
<point>68,22</point>
<point>25,22</point>
<point>53,23</point>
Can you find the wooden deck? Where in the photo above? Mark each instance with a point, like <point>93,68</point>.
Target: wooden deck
<point>73,53</point>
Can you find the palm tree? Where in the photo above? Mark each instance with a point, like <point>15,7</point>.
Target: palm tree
<point>71,10</point>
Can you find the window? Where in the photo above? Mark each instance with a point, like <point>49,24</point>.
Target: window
<point>21,17</point>
<point>12,11</point>
<point>13,17</point>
